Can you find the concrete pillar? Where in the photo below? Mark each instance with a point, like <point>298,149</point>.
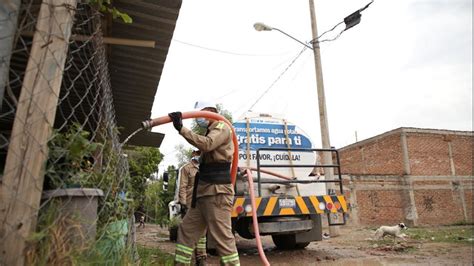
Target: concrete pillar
<point>411,214</point>
<point>451,161</point>
<point>406,158</point>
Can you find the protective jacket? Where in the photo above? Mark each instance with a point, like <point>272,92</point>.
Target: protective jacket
<point>186,183</point>
<point>214,197</point>
<point>217,148</point>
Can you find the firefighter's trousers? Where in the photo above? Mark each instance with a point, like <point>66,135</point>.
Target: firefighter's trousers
<point>214,214</point>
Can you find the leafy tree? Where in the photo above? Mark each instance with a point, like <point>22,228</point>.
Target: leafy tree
<point>183,154</point>
<point>143,163</point>
<point>220,109</point>
<point>157,199</point>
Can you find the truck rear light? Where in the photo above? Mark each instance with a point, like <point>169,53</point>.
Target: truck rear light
<point>248,208</point>
<point>322,206</point>
<point>337,205</point>
<point>329,206</point>
<point>239,209</point>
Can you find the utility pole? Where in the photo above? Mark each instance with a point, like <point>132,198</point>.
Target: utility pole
<point>323,119</point>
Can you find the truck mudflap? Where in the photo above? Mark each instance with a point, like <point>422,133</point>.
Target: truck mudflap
<point>289,205</point>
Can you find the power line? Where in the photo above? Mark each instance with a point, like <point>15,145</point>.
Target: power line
<point>350,21</point>
<point>278,78</point>
<point>223,51</point>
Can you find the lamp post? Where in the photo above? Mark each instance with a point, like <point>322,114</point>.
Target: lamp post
<point>327,158</point>
<point>350,21</point>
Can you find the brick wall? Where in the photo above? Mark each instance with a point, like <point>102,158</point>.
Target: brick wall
<point>380,207</point>
<point>437,207</point>
<point>428,153</point>
<point>378,157</point>
<point>384,200</point>
<point>427,180</point>
<point>463,147</point>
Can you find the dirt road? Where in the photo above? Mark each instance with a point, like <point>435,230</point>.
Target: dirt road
<point>353,247</point>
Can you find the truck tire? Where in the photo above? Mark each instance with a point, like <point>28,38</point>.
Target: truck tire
<point>173,233</point>
<point>288,242</point>
<point>242,227</point>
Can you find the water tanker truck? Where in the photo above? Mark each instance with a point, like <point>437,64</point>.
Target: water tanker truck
<point>290,183</point>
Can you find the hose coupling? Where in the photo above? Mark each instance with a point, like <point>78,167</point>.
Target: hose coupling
<point>146,125</point>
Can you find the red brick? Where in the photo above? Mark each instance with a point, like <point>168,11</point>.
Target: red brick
<point>437,207</point>
<point>428,155</point>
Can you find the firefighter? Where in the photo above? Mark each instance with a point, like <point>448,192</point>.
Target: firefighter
<point>185,193</point>
<point>213,192</point>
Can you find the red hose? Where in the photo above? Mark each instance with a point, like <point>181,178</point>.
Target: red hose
<point>255,220</point>
<point>210,115</point>
<point>233,173</point>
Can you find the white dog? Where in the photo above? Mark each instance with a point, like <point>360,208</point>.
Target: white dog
<point>395,231</point>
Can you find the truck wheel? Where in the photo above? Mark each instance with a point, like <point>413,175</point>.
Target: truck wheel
<point>173,233</point>
<point>242,227</point>
<point>288,242</point>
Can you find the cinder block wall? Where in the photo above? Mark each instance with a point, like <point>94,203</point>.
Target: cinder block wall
<point>419,176</point>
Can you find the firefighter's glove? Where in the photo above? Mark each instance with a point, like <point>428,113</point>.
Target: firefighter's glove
<point>177,119</point>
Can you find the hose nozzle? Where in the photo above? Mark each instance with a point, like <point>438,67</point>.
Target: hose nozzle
<point>147,125</point>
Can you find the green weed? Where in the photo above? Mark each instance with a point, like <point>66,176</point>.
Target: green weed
<point>452,234</point>
<point>154,256</point>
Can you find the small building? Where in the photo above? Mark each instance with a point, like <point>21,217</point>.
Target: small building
<point>419,176</point>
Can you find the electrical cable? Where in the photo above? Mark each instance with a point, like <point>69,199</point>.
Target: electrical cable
<point>223,51</point>
<point>357,13</point>
<point>313,43</point>
<point>278,78</point>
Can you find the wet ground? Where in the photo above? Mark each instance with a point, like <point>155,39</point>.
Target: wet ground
<point>353,247</point>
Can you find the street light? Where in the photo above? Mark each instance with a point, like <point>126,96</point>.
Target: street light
<point>350,21</point>
<point>259,26</point>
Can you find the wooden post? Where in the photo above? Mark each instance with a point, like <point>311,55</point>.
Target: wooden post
<point>8,20</point>
<point>27,151</point>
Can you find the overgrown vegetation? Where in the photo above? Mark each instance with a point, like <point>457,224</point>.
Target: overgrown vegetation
<point>451,234</point>
<point>143,163</point>
<point>51,245</point>
<point>157,199</point>
<point>106,6</point>
<point>71,158</point>
<point>154,256</point>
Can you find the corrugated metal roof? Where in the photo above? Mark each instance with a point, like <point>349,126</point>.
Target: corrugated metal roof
<point>136,71</point>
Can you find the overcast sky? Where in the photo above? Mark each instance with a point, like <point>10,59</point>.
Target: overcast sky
<point>407,64</point>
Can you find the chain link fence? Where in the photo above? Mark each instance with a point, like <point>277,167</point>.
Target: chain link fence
<point>63,177</point>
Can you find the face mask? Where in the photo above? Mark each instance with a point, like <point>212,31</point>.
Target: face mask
<point>202,122</point>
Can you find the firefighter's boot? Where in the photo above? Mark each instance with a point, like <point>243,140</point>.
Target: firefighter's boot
<point>201,261</point>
